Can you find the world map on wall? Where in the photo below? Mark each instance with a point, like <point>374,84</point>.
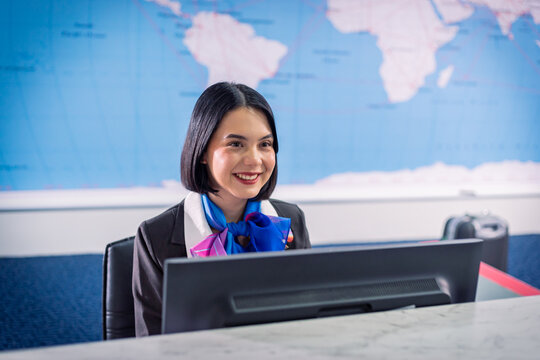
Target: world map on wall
<point>99,94</point>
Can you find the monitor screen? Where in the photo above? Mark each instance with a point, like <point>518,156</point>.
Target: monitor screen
<point>207,293</point>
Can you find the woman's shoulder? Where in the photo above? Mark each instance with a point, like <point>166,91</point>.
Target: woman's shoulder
<point>163,233</point>
<point>286,208</point>
<point>166,217</point>
<point>167,227</point>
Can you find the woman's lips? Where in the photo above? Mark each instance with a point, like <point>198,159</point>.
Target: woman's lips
<point>247,178</point>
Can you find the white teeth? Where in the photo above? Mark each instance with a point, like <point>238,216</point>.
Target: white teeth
<point>247,177</point>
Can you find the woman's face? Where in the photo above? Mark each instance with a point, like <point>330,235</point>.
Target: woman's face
<point>240,156</point>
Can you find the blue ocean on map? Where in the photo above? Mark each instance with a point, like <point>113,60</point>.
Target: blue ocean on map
<point>99,94</point>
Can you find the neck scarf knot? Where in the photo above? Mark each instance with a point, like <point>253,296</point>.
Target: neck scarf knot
<point>265,233</point>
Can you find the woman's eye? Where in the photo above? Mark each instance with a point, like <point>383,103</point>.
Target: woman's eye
<point>235,144</point>
<point>266,144</point>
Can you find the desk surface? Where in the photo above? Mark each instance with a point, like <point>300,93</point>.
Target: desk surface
<point>497,329</point>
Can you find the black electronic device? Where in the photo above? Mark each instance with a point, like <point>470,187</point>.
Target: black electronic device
<point>207,293</point>
<point>490,228</point>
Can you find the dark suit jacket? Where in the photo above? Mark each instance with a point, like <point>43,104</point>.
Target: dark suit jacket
<point>162,237</point>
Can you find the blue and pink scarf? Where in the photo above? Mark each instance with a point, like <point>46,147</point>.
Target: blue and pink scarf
<point>266,233</point>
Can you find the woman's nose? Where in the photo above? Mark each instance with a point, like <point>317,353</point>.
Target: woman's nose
<point>253,157</point>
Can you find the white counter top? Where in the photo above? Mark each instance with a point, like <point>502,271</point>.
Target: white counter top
<point>498,329</point>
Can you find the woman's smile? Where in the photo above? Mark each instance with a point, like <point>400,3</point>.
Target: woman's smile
<point>247,178</point>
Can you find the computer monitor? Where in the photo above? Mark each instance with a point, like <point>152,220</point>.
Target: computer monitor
<point>207,293</point>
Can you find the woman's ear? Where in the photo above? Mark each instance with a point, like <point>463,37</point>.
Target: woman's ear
<point>204,160</point>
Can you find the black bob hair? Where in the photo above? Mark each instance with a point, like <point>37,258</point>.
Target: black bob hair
<point>216,101</point>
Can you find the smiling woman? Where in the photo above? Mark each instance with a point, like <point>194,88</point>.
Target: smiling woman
<point>229,165</point>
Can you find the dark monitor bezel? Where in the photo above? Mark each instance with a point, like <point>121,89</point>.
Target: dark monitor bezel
<point>206,293</point>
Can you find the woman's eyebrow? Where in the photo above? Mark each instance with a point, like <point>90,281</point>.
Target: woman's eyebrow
<point>269,136</point>
<point>241,137</point>
<point>235,136</point>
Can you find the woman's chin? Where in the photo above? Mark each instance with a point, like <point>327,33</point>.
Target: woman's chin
<point>247,194</point>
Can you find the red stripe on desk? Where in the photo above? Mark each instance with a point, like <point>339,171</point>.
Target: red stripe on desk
<point>507,281</point>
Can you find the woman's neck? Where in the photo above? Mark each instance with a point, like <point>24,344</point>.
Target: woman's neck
<point>233,209</point>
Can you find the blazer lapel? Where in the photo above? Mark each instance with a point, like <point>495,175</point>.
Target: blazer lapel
<point>196,228</point>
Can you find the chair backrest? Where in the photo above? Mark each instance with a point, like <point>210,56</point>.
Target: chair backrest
<point>118,314</point>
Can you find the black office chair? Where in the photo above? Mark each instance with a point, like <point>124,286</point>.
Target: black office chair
<point>118,314</point>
